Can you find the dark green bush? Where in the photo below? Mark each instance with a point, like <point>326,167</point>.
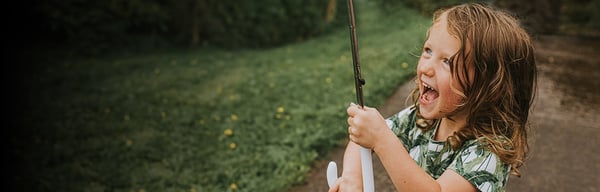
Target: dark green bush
<point>571,17</point>
<point>425,7</point>
<point>580,17</point>
<point>235,24</point>
<point>262,23</point>
<point>96,25</point>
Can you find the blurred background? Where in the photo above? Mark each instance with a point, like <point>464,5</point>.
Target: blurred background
<point>94,27</point>
<point>207,95</point>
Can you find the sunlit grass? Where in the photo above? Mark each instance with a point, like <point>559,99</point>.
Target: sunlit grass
<point>206,119</point>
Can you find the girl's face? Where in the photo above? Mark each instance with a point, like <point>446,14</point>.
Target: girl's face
<point>437,97</point>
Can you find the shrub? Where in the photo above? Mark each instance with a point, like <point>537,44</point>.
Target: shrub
<point>425,7</point>
<point>233,24</point>
<point>263,23</point>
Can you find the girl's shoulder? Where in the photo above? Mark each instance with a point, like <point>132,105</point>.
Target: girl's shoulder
<point>480,166</point>
<point>403,120</point>
<point>403,126</point>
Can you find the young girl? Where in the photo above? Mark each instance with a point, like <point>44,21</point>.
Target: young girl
<point>467,129</point>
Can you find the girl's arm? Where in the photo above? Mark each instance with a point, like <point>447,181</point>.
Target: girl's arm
<point>351,179</point>
<point>368,128</point>
<point>408,176</point>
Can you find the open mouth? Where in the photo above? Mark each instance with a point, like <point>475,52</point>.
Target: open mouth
<point>428,94</point>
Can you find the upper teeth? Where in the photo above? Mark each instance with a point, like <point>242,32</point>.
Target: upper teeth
<point>427,86</point>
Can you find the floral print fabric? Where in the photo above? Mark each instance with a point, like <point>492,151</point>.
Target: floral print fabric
<point>473,161</point>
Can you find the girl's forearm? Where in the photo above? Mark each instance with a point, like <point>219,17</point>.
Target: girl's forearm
<point>352,166</point>
<point>402,169</point>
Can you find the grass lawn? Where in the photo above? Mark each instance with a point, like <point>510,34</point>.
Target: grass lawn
<point>205,119</point>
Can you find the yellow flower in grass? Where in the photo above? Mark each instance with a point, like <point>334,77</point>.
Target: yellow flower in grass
<point>404,65</point>
<point>234,117</point>
<point>232,146</point>
<point>228,132</point>
<point>280,109</point>
<point>233,186</point>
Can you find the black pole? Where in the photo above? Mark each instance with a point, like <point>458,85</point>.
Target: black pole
<point>366,160</point>
<point>358,80</point>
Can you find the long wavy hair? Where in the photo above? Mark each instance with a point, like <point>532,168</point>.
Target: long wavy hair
<point>499,95</point>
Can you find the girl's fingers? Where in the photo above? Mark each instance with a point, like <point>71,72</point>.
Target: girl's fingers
<point>353,109</point>
<point>350,121</point>
<point>353,134</point>
<point>353,121</point>
<point>350,110</point>
<point>336,186</point>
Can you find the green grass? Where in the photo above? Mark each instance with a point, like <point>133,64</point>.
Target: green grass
<point>158,122</point>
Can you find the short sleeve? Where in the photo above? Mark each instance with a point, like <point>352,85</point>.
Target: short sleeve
<point>481,167</point>
<point>402,123</point>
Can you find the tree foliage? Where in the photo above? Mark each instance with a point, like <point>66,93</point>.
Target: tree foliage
<point>578,17</point>
<point>255,23</point>
<point>425,7</point>
<point>233,24</point>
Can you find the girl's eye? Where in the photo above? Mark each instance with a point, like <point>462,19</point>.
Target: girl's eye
<point>427,50</point>
<point>446,61</point>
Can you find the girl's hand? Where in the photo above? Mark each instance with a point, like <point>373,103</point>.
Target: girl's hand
<point>366,126</point>
<point>347,184</point>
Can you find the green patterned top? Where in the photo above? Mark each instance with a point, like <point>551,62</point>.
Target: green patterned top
<point>475,163</point>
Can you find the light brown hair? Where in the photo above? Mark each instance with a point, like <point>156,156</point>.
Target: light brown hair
<point>499,95</point>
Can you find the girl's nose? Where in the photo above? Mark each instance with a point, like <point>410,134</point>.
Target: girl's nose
<point>426,67</point>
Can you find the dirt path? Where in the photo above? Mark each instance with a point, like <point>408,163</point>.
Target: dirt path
<point>564,141</point>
